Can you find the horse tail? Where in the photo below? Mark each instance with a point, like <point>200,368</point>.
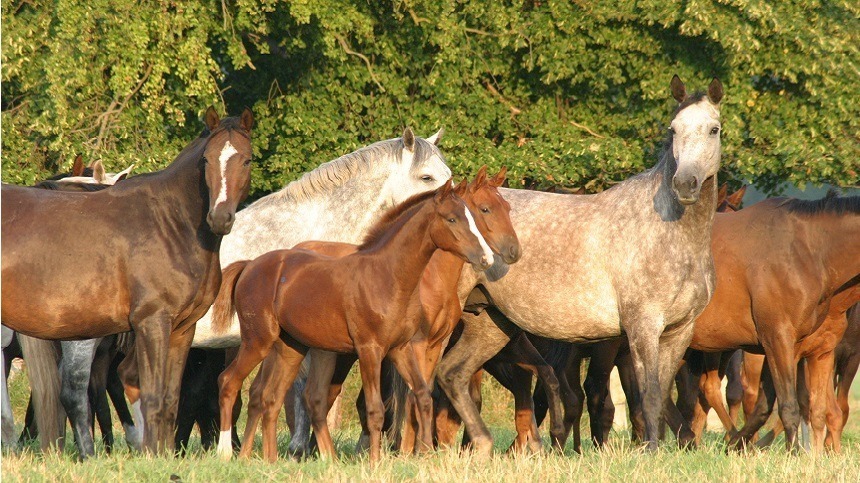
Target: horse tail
<point>40,357</point>
<point>224,308</point>
<point>397,405</point>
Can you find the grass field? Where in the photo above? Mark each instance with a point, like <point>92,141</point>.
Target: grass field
<point>620,462</point>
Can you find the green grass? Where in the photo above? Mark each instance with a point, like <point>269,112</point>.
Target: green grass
<point>619,462</point>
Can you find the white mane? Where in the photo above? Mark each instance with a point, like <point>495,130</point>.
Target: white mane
<point>336,172</point>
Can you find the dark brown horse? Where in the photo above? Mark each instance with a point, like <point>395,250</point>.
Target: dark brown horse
<point>158,234</point>
<point>787,270</point>
<point>355,303</point>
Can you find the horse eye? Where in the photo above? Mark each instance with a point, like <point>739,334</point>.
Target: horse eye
<point>671,130</point>
<point>452,220</point>
<point>714,131</point>
<point>427,178</point>
<point>247,162</point>
<point>485,210</point>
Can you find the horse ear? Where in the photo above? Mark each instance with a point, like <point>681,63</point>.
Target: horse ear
<point>409,139</point>
<point>679,92</point>
<point>123,174</point>
<point>247,120</point>
<point>78,166</point>
<point>211,118</point>
<point>460,189</point>
<point>715,91</point>
<point>738,196</point>
<point>480,178</point>
<point>99,172</point>
<point>721,194</point>
<point>443,192</point>
<point>499,179</point>
<point>434,139</point>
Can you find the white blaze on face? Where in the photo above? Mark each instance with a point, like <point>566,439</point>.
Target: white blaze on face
<point>226,153</point>
<point>488,253</point>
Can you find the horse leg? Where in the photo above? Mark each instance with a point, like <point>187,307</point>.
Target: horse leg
<point>627,375</point>
<point>98,390</point>
<point>370,365</point>
<point>484,335</point>
<point>672,344</point>
<point>783,370</point>
<point>8,419</point>
<point>475,383</point>
<point>710,385</point>
<point>404,360</point>
<point>759,413</point>
<point>847,371</point>
<point>300,426</point>
<point>596,386</point>
<point>116,391</point>
<point>316,398</point>
<point>41,359</point>
<point>819,376</point>
<point>644,349</point>
<point>751,370</point>
<point>734,387</point>
<point>531,359</point>
<point>573,416</point>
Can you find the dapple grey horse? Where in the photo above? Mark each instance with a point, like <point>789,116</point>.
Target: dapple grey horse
<point>634,259</point>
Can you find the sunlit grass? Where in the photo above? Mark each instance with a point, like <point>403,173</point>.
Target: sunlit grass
<point>621,461</point>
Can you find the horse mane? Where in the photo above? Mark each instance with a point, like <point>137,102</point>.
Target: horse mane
<point>390,217</point>
<point>338,171</point>
<point>831,203</point>
<point>58,186</point>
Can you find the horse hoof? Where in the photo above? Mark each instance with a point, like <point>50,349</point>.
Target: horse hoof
<point>482,447</point>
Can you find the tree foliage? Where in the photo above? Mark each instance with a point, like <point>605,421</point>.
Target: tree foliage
<point>563,93</point>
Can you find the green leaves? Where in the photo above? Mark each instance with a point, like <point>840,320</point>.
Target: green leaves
<point>563,93</point>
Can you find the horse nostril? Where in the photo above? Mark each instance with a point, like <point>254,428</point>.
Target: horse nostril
<point>514,252</point>
<point>693,183</point>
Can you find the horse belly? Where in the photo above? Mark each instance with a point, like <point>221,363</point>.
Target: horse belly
<point>559,311</point>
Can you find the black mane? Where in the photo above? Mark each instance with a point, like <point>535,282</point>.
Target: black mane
<point>831,203</point>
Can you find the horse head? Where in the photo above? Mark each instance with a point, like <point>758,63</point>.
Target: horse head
<point>419,167</point>
<point>695,132</point>
<point>453,228</point>
<point>493,214</point>
<point>227,167</point>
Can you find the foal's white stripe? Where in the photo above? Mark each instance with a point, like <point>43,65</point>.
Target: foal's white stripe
<point>226,153</point>
<point>474,228</point>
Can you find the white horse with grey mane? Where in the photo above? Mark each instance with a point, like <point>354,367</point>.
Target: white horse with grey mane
<point>634,259</point>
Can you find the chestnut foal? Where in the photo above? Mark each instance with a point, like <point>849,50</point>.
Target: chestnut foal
<point>440,309</point>
<point>350,304</point>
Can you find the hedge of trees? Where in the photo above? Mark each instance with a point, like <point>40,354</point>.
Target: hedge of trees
<point>571,93</point>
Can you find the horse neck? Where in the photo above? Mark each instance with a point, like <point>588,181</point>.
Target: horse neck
<point>406,249</point>
<point>837,237</point>
<point>181,191</point>
<point>692,221</point>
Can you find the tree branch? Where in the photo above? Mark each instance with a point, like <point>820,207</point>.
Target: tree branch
<point>586,129</point>
<point>346,48</point>
<point>514,109</point>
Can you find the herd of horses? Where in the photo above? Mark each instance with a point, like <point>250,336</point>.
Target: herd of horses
<point>364,259</point>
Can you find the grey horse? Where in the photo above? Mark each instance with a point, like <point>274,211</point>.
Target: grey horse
<point>634,259</point>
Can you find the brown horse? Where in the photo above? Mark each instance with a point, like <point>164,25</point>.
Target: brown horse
<point>354,303</point>
<point>787,270</point>
<point>440,309</point>
<point>156,236</point>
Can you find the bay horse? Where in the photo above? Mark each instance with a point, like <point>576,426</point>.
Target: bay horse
<point>787,272</point>
<point>354,303</point>
<point>158,233</point>
<point>337,201</point>
<point>436,311</point>
<point>634,259</point>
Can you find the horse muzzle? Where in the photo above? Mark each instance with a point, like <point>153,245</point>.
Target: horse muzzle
<point>686,188</point>
<point>221,221</point>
